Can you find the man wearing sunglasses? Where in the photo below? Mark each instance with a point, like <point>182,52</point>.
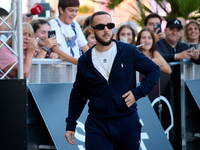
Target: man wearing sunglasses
<point>106,76</point>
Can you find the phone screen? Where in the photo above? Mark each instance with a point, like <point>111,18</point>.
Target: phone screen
<point>37,40</point>
<point>193,46</point>
<point>124,39</point>
<point>156,26</point>
<point>51,33</point>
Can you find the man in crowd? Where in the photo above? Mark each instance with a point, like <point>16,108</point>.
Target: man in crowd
<point>170,47</point>
<point>173,50</point>
<point>150,21</point>
<point>68,32</point>
<point>106,76</point>
<point>3,14</point>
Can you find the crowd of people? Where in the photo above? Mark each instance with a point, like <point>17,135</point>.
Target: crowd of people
<point>102,46</point>
<point>73,38</point>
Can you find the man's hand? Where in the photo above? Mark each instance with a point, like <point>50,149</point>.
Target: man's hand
<point>184,55</point>
<point>161,35</point>
<point>69,135</point>
<point>26,19</point>
<point>158,36</point>
<point>53,12</point>
<point>129,98</point>
<point>195,54</point>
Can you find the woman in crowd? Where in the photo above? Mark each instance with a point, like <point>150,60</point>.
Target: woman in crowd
<point>41,28</point>
<point>192,33</point>
<point>89,37</point>
<point>146,36</point>
<point>126,32</point>
<point>7,59</point>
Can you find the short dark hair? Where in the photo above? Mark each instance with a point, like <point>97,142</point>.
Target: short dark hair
<point>67,3</point>
<point>153,48</point>
<point>36,24</point>
<point>96,14</point>
<point>3,12</point>
<point>152,15</point>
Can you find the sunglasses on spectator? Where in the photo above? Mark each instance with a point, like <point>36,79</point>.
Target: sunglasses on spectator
<point>102,26</point>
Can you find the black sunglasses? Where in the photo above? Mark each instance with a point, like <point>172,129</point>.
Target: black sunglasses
<point>102,26</point>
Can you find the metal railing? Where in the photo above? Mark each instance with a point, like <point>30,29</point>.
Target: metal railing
<point>16,35</point>
<point>52,71</point>
<point>188,71</point>
<point>48,70</point>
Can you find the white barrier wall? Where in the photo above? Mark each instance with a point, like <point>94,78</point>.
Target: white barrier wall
<point>52,71</point>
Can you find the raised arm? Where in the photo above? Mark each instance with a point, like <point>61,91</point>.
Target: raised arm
<point>62,55</point>
<point>160,61</point>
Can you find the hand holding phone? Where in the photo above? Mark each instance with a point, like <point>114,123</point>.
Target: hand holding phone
<point>124,39</point>
<point>156,26</point>
<point>192,46</point>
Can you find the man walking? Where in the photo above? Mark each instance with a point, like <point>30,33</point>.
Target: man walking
<point>106,76</point>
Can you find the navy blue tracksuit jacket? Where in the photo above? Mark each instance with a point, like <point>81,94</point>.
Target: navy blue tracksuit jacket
<point>105,97</point>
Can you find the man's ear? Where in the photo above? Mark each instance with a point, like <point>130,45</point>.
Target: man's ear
<point>91,30</point>
<point>61,10</point>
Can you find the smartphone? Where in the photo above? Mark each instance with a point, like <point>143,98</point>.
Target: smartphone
<point>37,40</point>
<point>124,39</point>
<point>193,46</point>
<point>156,26</point>
<point>51,33</point>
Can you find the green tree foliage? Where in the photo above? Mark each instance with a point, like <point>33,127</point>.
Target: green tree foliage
<point>181,8</point>
<point>85,9</point>
<point>111,4</point>
<point>188,9</point>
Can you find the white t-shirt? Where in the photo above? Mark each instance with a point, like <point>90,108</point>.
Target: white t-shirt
<point>64,29</point>
<point>103,61</point>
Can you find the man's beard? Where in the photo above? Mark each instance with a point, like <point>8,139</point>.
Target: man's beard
<point>103,42</point>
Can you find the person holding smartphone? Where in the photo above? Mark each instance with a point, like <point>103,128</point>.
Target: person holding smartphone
<point>192,34</point>
<point>153,22</point>
<point>71,41</point>
<point>170,47</point>
<point>126,34</point>
<point>41,29</point>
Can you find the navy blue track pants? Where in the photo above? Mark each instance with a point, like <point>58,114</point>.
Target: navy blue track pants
<point>113,134</point>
